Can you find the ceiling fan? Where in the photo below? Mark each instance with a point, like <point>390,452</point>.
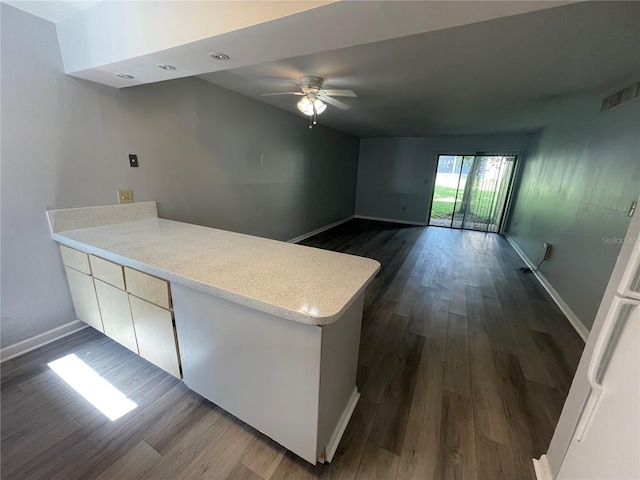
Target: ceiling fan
<point>315,99</point>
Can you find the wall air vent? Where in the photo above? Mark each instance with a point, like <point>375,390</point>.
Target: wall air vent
<point>623,96</point>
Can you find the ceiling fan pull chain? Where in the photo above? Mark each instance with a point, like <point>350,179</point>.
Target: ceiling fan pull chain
<point>312,119</point>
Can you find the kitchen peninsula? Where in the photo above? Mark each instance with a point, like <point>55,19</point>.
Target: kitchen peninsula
<point>267,330</point>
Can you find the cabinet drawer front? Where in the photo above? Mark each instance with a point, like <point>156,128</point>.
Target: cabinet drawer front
<point>116,314</point>
<point>75,259</point>
<point>83,294</point>
<point>147,287</point>
<point>156,335</point>
<point>107,271</point>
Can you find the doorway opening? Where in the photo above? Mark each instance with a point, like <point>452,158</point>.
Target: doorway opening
<point>471,191</point>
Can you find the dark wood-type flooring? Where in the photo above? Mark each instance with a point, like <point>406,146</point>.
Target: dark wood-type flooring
<point>464,367</point>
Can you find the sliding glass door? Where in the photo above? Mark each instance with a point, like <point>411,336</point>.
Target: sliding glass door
<point>471,191</point>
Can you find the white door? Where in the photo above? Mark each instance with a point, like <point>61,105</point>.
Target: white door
<point>606,443</point>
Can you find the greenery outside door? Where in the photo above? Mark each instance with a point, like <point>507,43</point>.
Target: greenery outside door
<point>471,191</point>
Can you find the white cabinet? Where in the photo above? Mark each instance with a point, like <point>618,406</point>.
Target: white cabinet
<point>107,271</point>
<point>116,315</point>
<point>75,259</point>
<point>81,286</point>
<point>150,300</point>
<point>83,294</point>
<point>295,383</point>
<point>148,287</point>
<point>131,307</point>
<point>157,341</point>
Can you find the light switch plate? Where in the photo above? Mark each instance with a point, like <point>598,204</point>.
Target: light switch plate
<point>125,196</point>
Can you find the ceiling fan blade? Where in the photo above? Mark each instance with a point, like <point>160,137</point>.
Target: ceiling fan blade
<point>282,93</point>
<point>335,103</point>
<point>341,93</point>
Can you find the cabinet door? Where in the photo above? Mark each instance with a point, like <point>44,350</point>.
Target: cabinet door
<point>84,298</point>
<point>156,335</point>
<point>116,314</point>
<point>75,259</point>
<point>152,289</point>
<point>107,271</point>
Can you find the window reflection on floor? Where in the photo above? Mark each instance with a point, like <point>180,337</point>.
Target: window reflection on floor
<point>95,389</point>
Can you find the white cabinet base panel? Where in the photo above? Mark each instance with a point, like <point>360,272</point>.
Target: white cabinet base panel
<point>334,441</point>
<point>292,381</point>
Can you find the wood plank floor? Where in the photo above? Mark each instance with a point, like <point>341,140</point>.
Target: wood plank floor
<point>464,366</point>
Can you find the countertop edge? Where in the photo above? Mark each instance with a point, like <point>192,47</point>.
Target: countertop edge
<point>239,299</point>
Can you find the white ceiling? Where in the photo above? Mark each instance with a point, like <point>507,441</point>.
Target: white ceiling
<point>498,76</point>
<point>52,10</point>
<point>134,37</point>
<point>418,67</point>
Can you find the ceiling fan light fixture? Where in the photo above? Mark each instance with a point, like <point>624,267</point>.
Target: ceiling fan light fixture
<point>310,107</point>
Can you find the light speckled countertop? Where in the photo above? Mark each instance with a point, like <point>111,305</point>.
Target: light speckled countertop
<point>299,283</point>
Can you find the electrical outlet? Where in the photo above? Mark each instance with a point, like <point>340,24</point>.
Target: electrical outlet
<point>547,251</point>
<point>125,196</point>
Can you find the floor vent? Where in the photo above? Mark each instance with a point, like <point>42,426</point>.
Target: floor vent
<point>623,96</point>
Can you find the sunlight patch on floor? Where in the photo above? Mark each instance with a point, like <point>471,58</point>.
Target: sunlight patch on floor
<point>95,389</point>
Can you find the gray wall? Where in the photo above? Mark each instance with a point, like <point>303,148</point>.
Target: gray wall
<point>581,174</point>
<point>207,155</point>
<point>395,175</point>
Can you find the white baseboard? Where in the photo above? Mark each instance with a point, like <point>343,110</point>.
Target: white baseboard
<point>392,220</point>
<point>571,316</point>
<point>319,230</point>
<point>41,340</point>
<point>542,468</point>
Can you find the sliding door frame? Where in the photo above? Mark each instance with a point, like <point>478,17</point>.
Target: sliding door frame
<point>437,155</point>
<point>515,175</point>
<point>515,178</point>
